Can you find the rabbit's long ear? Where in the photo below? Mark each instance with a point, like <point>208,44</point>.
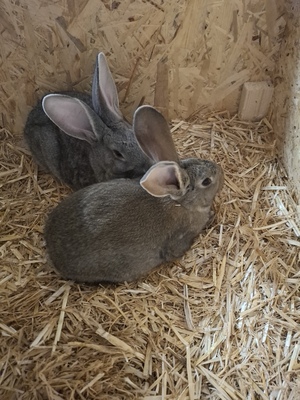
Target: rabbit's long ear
<point>72,116</point>
<point>165,178</point>
<point>153,134</point>
<point>104,92</point>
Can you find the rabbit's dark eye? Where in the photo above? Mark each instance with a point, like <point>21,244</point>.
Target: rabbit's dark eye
<point>118,155</point>
<point>206,182</point>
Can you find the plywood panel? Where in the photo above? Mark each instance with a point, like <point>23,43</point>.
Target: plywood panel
<point>212,48</point>
<point>286,104</point>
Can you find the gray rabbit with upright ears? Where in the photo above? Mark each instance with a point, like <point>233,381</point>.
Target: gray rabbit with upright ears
<point>119,230</point>
<point>83,139</point>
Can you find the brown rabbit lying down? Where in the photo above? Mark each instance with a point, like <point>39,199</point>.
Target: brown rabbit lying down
<point>119,230</point>
<point>84,139</point>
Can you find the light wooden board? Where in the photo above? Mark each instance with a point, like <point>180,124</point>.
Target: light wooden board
<point>212,48</point>
<point>286,100</point>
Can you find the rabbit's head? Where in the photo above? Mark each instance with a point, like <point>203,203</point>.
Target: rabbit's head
<point>192,183</point>
<point>113,151</point>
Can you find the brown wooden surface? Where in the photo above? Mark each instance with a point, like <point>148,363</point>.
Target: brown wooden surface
<point>212,48</point>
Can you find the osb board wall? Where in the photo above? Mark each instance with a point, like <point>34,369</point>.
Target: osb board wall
<point>211,48</point>
<point>286,104</point>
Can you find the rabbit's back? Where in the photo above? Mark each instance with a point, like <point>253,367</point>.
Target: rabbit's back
<point>96,236</point>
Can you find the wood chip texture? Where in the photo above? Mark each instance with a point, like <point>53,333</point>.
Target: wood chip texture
<point>210,47</point>
<point>223,322</point>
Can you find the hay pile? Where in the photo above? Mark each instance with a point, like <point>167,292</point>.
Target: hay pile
<point>221,323</point>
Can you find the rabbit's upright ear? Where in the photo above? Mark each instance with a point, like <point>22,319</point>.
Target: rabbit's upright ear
<point>72,116</point>
<point>165,178</point>
<point>153,134</point>
<point>104,92</point>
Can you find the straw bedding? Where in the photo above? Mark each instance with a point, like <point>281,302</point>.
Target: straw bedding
<point>223,322</point>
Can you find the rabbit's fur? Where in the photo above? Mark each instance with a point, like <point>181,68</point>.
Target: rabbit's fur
<point>119,230</point>
<point>84,139</point>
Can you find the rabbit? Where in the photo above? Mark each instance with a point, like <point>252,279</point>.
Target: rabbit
<point>83,139</point>
<point>120,230</point>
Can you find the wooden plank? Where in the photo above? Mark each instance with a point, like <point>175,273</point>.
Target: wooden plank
<point>255,100</point>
